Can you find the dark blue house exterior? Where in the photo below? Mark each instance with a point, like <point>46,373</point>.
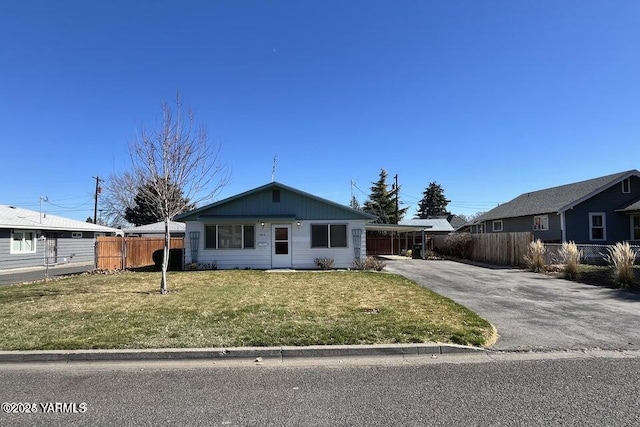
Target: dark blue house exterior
<point>602,210</point>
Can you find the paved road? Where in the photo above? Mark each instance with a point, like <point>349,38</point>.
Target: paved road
<point>570,391</point>
<point>534,311</point>
<point>40,273</point>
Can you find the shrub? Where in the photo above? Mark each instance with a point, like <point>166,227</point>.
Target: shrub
<point>570,256</point>
<point>358,264</point>
<point>621,257</point>
<point>213,265</point>
<point>373,263</point>
<point>175,259</point>
<point>324,263</point>
<point>369,263</point>
<point>458,245</point>
<point>535,257</point>
<point>409,253</point>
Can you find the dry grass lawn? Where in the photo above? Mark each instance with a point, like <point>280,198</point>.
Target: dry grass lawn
<point>229,309</point>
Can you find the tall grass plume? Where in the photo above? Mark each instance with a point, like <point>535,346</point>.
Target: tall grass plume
<point>535,256</point>
<point>570,257</point>
<point>621,258</point>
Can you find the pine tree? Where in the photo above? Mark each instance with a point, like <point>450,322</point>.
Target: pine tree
<point>433,202</point>
<point>383,203</point>
<point>147,209</point>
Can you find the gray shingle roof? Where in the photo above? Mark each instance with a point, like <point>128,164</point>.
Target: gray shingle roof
<point>14,217</point>
<point>555,199</point>
<point>156,228</point>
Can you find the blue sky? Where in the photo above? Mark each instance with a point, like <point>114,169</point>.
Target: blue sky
<point>489,99</point>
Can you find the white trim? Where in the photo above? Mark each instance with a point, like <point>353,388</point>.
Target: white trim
<point>604,226</point>
<point>495,228</point>
<point>21,251</point>
<point>629,174</point>
<point>631,220</point>
<point>563,227</point>
<point>543,223</point>
<point>281,260</point>
<point>628,181</point>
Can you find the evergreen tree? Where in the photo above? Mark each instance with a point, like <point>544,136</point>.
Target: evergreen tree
<point>147,210</point>
<point>354,203</point>
<point>433,202</point>
<point>383,203</point>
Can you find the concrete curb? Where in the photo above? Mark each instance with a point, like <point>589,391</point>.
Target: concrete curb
<point>237,353</point>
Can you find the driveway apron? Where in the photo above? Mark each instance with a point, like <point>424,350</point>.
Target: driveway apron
<point>532,311</point>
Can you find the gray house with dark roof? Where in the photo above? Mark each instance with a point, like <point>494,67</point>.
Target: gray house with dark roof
<point>33,239</point>
<point>274,226</point>
<point>602,210</point>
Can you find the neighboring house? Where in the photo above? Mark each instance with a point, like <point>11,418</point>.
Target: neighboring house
<point>274,226</point>
<point>176,229</point>
<point>29,238</point>
<point>602,210</point>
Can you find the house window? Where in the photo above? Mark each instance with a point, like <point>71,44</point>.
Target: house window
<point>229,236</point>
<point>23,241</point>
<point>597,226</point>
<point>76,234</point>
<point>635,227</point>
<point>497,226</point>
<point>541,222</point>
<point>275,196</point>
<point>328,235</point>
<point>626,185</point>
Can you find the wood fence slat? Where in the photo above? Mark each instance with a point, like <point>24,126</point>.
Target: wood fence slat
<point>114,253</point>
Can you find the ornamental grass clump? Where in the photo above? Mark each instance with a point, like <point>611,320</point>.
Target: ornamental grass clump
<point>535,257</point>
<point>621,258</point>
<point>570,256</point>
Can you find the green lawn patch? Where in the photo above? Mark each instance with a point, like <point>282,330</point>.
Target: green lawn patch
<point>230,309</point>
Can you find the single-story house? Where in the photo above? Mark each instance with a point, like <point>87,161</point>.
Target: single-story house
<point>30,238</point>
<point>602,210</point>
<point>176,229</point>
<point>274,226</point>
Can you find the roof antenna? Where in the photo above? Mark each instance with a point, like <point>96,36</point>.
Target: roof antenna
<point>273,170</point>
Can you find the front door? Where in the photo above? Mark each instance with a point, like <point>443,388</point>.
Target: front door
<point>281,246</point>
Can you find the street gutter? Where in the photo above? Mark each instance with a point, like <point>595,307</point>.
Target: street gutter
<point>236,353</point>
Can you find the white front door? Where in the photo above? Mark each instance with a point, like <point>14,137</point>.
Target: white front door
<point>281,246</point>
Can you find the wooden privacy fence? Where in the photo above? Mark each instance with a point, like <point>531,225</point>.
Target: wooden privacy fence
<point>501,248</point>
<point>114,253</point>
<point>494,248</point>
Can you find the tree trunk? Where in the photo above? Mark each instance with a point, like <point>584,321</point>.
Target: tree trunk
<point>165,257</point>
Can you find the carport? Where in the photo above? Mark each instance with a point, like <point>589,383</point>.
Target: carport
<point>397,232</point>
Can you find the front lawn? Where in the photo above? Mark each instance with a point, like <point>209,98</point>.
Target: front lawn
<point>230,309</point>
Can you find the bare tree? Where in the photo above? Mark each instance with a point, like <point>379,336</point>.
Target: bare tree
<point>177,154</point>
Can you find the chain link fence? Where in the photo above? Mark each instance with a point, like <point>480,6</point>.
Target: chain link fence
<point>591,254</point>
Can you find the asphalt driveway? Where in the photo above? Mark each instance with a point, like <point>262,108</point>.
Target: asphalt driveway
<point>533,311</point>
<point>10,277</point>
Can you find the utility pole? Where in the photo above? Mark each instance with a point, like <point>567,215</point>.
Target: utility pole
<point>95,206</point>
<point>397,191</point>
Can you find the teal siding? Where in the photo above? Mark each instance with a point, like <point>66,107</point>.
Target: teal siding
<point>261,203</point>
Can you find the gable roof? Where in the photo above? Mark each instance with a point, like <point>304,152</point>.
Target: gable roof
<point>255,204</point>
<point>13,217</point>
<point>555,199</point>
